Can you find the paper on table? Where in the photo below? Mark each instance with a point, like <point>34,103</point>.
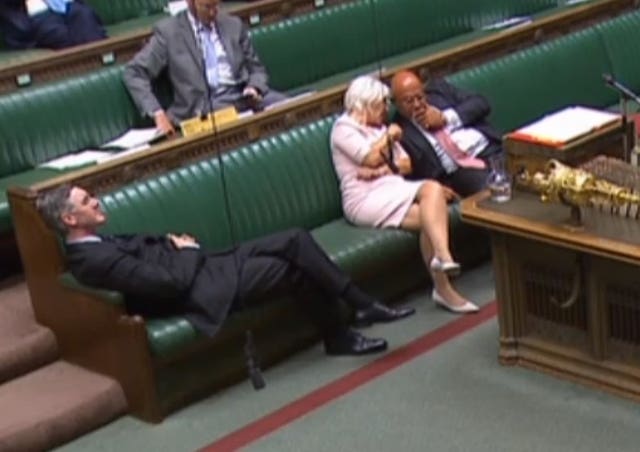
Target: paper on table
<point>115,155</point>
<point>174,7</point>
<point>510,22</point>
<point>565,125</point>
<point>76,160</point>
<point>134,138</point>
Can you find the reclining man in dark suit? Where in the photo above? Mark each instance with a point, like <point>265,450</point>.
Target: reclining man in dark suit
<point>169,275</point>
<point>210,62</point>
<point>445,132</point>
<point>53,24</point>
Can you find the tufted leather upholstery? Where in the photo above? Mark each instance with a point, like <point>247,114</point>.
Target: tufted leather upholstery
<point>351,36</point>
<point>43,122</point>
<point>621,41</point>
<point>532,82</point>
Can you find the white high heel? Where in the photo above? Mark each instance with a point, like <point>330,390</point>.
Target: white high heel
<point>466,308</point>
<point>449,268</point>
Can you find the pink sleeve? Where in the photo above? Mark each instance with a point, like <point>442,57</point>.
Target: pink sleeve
<point>350,141</point>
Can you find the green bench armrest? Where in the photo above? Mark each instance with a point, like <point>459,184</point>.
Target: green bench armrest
<point>109,296</point>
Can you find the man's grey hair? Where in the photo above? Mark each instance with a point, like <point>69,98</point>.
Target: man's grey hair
<point>53,204</point>
<point>364,92</point>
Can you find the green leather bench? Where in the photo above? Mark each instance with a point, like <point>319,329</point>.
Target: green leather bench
<point>276,183</point>
<point>46,122</point>
<point>88,110</point>
<point>333,45</point>
<point>566,71</point>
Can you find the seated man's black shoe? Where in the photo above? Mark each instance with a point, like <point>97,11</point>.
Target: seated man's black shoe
<point>378,312</point>
<point>351,342</point>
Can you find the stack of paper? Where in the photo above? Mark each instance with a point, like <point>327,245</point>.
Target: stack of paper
<point>76,160</point>
<point>134,138</point>
<point>175,7</point>
<point>565,125</point>
<point>507,23</point>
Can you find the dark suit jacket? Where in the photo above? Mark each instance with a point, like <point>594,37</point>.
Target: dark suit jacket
<point>159,280</point>
<point>173,48</point>
<point>473,110</point>
<point>15,24</point>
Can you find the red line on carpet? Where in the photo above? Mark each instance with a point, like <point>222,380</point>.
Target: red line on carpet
<point>337,388</point>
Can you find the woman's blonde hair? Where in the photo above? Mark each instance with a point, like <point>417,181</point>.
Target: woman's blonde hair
<point>364,92</point>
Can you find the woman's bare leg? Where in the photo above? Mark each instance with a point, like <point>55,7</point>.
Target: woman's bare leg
<point>414,220</point>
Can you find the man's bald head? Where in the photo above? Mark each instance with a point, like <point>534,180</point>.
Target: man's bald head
<point>408,93</point>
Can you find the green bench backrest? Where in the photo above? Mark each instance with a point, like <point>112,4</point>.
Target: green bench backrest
<point>186,200</point>
<point>114,11</point>
<point>292,177</point>
<point>307,48</point>
<point>273,184</point>
<point>46,121</point>
<point>532,82</point>
<point>622,40</point>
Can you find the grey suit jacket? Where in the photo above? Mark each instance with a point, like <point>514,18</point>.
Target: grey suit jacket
<point>173,47</point>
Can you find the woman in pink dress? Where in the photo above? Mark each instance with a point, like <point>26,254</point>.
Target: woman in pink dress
<point>370,162</point>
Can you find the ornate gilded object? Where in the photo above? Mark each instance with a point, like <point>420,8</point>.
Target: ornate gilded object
<point>576,188</point>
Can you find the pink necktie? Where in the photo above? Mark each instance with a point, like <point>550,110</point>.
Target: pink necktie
<point>461,158</point>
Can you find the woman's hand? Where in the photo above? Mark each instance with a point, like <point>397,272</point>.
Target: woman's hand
<point>366,173</point>
<point>395,132</point>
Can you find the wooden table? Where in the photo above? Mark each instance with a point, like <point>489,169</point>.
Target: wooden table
<point>568,300</point>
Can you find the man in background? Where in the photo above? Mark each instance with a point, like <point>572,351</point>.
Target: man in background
<point>445,132</point>
<point>53,24</point>
<point>210,63</point>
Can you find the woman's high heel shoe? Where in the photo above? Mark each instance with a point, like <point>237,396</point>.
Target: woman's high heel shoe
<point>449,268</point>
<point>466,308</point>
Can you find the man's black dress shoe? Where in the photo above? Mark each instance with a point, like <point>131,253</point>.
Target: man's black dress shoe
<point>378,312</point>
<point>351,342</point>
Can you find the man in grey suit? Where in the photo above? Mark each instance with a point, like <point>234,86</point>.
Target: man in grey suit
<point>210,62</point>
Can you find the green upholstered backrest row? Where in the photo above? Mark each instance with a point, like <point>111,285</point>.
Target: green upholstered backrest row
<point>568,70</point>
<point>114,11</point>
<point>45,121</point>
<point>530,83</point>
<point>273,184</point>
<point>304,49</point>
<point>622,42</point>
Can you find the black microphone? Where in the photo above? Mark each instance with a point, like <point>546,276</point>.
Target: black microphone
<point>626,92</point>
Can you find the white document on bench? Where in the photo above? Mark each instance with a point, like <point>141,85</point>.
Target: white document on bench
<point>567,124</point>
<point>175,7</point>
<point>507,23</point>
<point>76,160</point>
<point>134,138</point>
<point>116,155</point>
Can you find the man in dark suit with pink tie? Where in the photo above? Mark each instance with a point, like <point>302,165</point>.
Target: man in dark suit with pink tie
<point>445,132</point>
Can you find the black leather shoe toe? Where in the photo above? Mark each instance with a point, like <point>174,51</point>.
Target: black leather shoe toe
<point>378,312</point>
<point>353,343</point>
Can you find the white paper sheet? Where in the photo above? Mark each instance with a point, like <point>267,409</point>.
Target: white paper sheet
<point>508,23</point>
<point>567,124</point>
<point>133,138</point>
<point>115,155</point>
<point>175,7</point>
<point>76,160</point>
